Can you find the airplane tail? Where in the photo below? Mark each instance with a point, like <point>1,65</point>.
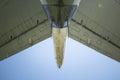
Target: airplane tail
<point>59,36</point>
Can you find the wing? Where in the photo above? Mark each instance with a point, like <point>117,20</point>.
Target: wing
<point>21,25</point>
<point>96,24</point>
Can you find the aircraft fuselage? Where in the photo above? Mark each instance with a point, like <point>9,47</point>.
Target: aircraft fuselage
<point>59,13</point>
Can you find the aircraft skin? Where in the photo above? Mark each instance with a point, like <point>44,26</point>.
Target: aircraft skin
<point>29,24</point>
<point>59,13</point>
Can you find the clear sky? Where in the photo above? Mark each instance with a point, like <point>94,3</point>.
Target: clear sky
<point>80,63</point>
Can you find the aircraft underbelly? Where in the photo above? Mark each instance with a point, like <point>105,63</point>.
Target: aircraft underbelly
<point>59,37</point>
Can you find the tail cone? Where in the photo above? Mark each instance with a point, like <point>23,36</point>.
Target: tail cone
<point>59,36</point>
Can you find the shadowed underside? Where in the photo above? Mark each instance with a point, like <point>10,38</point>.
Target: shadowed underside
<point>59,14</point>
<point>95,24</point>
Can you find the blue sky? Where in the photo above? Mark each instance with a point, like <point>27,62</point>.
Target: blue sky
<point>80,63</point>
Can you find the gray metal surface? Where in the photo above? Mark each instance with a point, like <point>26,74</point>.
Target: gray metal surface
<point>96,24</point>
<point>22,24</point>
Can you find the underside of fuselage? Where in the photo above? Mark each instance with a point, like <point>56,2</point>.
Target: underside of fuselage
<point>59,37</point>
<point>59,13</point>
